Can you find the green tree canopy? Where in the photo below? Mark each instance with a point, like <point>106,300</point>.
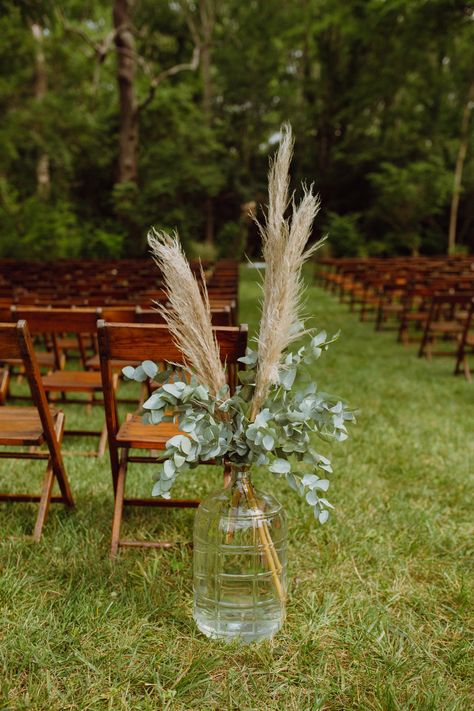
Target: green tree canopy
<point>379,94</point>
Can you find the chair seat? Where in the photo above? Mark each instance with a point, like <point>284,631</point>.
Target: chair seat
<point>22,426</point>
<point>393,308</point>
<point>72,381</point>
<point>446,327</point>
<point>134,433</point>
<point>72,344</point>
<point>94,363</point>
<point>416,316</point>
<point>45,359</point>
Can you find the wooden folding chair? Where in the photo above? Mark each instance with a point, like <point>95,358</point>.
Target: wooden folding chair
<point>56,322</point>
<point>32,427</point>
<point>147,342</point>
<point>220,315</point>
<point>466,344</point>
<point>46,359</point>
<point>445,321</point>
<point>415,309</point>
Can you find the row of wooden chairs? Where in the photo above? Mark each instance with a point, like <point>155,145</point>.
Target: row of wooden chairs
<point>84,379</point>
<point>43,424</point>
<point>427,300</point>
<point>89,283</point>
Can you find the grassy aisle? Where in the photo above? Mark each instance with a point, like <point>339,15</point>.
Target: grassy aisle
<point>380,607</point>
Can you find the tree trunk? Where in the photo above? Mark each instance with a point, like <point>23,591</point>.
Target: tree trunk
<point>458,171</point>
<point>207,21</point>
<point>126,66</point>
<point>43,176</point>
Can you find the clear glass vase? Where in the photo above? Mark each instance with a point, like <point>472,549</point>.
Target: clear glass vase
<point>240,562</point>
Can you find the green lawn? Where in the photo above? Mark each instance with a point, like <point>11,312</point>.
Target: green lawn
<point>380,598</point>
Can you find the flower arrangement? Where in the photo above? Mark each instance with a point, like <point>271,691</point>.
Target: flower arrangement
<point>268,421</point>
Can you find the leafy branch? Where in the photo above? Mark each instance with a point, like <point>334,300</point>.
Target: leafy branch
<point>279,437</point>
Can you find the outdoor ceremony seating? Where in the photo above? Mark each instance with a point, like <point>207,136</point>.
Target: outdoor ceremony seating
<point>67,382</point>
<point>446,321</point>
<point>423,299</point>
<point>466,344</point>
<point>136,343</point>
<point>83,282</point>
<point>32,427</point>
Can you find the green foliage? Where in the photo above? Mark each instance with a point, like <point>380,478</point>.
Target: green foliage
<point>201,250</point>
<point>231,240</point>
<point>408,198</point>
<point>379,606</point>
<point>375,92</point>
<point>346,238</point>
<point>220,427</point>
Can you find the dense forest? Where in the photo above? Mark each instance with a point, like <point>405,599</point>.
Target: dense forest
<point>120,114</point>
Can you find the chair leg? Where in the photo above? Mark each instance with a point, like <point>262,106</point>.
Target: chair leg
<point>118,508</point>
<point>467,370</point>
<point>44,501</point>
<point>102,441</point>
<point>61,474</point>
<point>460,359</point>
<point>425,342</point>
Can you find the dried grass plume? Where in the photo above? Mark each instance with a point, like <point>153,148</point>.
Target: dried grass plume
<point>284,243</point>
<point>188,315</point>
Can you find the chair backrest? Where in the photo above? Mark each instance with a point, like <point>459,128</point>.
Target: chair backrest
<point>220,315</point>
<point>139,342</point>
<point>53,322</point>
<point>56,321</point>
<point>15,342</point>
<point>447,305</point>
<point>119,314</point>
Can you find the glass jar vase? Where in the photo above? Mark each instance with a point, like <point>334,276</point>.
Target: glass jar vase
<point>240,562</point>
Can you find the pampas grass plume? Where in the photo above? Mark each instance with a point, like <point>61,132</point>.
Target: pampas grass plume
<point>188,314</point>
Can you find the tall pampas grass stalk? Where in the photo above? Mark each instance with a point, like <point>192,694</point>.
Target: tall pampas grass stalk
<point>188,314</point>
<point>284,243</point>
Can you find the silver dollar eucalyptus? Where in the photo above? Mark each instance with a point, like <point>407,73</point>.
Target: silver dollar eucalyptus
<point>277,413</point>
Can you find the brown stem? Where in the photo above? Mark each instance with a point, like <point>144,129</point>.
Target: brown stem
<point>232,514</point>
<point>265,538</point>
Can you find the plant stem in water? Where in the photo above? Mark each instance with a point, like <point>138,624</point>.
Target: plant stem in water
<point>265,538</point>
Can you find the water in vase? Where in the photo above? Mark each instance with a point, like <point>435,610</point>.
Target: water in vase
<point>240,562</point>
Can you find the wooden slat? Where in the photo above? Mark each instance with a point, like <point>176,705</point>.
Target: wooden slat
<point>135,434</point>
<point>163,503</point>
<point>155,342</point>
<point>30,497</point>
<point>44,320</point>
<point>72,381</point>
<point>20,426</point>
<point>9,346</point>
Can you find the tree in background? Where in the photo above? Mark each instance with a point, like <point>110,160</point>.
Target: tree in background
<point>118,114</point>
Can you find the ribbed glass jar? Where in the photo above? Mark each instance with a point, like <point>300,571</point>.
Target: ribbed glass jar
<point>240,562</point>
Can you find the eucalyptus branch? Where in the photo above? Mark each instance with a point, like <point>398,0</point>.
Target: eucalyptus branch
<point>273,417</point>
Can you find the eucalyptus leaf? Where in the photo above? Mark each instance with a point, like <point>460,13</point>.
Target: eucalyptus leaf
<point>268,442</point>
<point>323,516</point>
<point>169,468</point>
<point>280,466</point>
<point>139,375</point>
<point>150,368</point>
